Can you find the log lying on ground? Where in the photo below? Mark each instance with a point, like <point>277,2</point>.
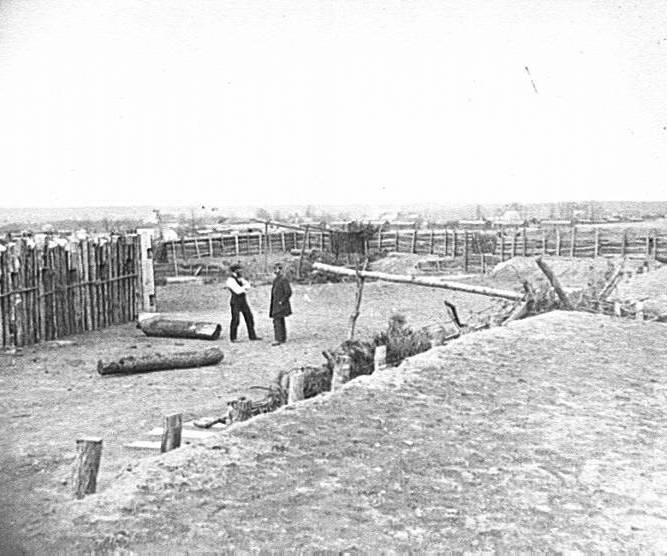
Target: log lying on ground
<point>418,281</point>
<point>160,362</point>
<point>166,328</point>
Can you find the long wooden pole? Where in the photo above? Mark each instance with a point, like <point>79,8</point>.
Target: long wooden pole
<point>417,281</point>
<point>553,280</point>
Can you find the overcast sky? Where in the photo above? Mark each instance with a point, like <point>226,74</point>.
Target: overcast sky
<point>331,102</point>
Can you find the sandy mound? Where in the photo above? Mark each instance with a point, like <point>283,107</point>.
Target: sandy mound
<point>398,263</point>
<point>542,436</point>
<point>649,287</point>
<point>573,273</point>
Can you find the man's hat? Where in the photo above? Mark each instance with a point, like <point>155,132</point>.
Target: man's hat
<point>235,267</point>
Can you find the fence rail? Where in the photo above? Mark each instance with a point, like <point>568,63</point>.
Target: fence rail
<point>51,291</point>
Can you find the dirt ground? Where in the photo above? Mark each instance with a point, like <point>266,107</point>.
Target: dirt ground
<point>544,436</point>
<point>50,396</point>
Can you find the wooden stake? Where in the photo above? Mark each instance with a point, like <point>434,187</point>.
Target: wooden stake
<point>380,358</point>
<point>596,249</point>
<point>414,241</point>
<point>466,247</point>
<point>624,242</point>
<point>357,301</point>
<point>171,434</point>
<point>573,243</point>
<point>303,250</point>
<point>295,386</point>
<point>341,373</point>
<point>86,466</point>
<point>558,242</point>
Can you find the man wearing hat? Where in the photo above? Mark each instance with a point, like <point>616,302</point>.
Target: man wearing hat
<point>280,307</point>
<point>239,286</point>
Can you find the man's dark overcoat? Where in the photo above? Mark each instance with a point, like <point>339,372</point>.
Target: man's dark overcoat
<point>280,294</point>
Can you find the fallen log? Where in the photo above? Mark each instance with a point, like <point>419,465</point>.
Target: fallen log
<point>160,362</point>
<point>418,281</point>
<point>167,328</point>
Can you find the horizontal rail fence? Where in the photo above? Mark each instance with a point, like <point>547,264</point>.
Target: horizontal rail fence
<point>478,250</point>
<point>55,290</point>
<point>241,245</point>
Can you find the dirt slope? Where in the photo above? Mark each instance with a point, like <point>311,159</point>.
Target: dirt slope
<point>546,435</point>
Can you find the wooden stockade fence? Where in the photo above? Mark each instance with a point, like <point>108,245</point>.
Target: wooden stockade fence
<point>67,287</point>
<point>478,250</point>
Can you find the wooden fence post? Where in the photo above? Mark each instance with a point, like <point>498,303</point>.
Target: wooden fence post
<point>624,242</point>
<point>303,250</point>
<point>544,242</point>
<point>295,386</point>
<point>173,254</point>
<point>465,250</point>
<point>397,244</point>
<point>446,241</point>
<point>171,434</point>
<point>197,248</point>
<point>380,358</point>
<point>502,245</point>
<point>341,373</point>
<point>596,251</point>
<point>454,243</point>
<point>86,466</point>
<point>573,243</point>
<point>432,247</point>
<point>514,232</point>
<point>558,242</point>
<point>648,244</point>
<point>210,246</point>
<point>414,241</point>
<point>282,241</point>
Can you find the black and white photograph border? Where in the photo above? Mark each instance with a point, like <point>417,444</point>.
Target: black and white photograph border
<point>337,276</point>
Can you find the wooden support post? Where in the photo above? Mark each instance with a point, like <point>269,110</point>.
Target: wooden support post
<point>171,434</point>
<point>558,242</point>
<point>397,244</point>
<point>295,391</point>
<point>544,242</point>
<point>357,301</point>
<point>573,242</point>
<point>86,466</point>
<point>502,245</point>
<point>524,241</point>
<point>596,249</point>
<point>197,248</point>
<point>514,232</point>
<point>173,252</point>
<point>341,373</point>
<point>322,241</point>
<point>267,247</point>
<point>432,242</point>
<point>414,241</point>
<point>236,245</point>
<point>446,241</point>
<point>466,247</point>
<point>648,245</point>
<point>624,242</point>
<point>553,280</point>
<point>303,250</point>
<point>210,246</point>
<point>454,243</point>
<point>380,358</point>
<point>655,245</point>
<point>282,241</point>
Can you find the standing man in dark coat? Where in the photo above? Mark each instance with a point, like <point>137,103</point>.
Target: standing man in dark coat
<point>280,306</point>
<point>238,287</point>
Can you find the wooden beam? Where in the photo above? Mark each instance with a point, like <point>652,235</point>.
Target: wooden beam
<point>418,281</point>
<point>553,280</point>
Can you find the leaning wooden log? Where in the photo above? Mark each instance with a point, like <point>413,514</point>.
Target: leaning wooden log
<point>553,280</point>
<point>418,281</point>
<point>160,362</point>
<point>167,328</point>
<point>611,284</point>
